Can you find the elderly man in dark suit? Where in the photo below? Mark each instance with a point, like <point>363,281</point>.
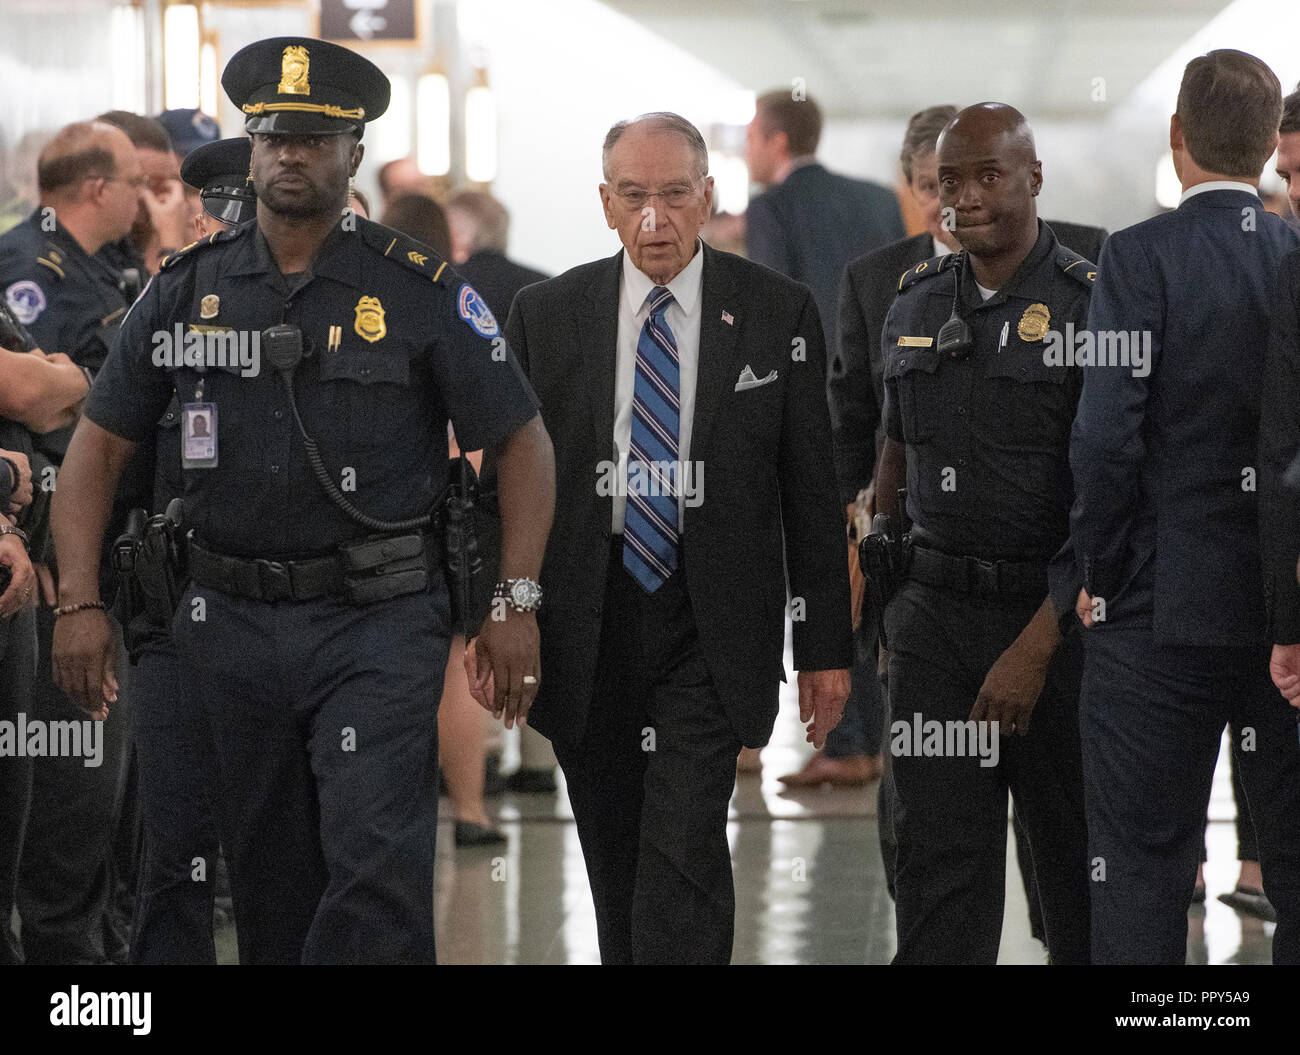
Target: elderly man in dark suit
<point>665,586</point>
<point>810,222</point>
<point>1165,530</point>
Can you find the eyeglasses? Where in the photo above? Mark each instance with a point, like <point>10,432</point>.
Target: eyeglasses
<point>673,197</point>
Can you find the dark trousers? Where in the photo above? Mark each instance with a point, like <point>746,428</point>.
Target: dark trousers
<point>17,670</point>
<point>176,765</point>
<point>1151,718</point>
<point>325,720</point>
<point>950,818</point>
<point>69,883</point>
<point>650,782</point>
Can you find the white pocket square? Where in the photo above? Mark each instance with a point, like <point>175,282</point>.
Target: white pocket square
<point>748,380</point>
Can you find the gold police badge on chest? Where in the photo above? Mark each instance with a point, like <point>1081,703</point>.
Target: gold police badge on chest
<point>209,306</point>
<point>293,71</point>
<point>370,324</point>
<point>1034,322</point>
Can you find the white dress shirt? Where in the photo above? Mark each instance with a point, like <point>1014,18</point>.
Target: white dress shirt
<point>683,318</point>
<point>1217,184</point>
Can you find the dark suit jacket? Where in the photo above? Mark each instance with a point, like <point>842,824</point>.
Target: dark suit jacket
<point>1165,525</point>
<point>767,466</point>
<point>855,380</point>
<point>811,225</point>
<point>497,279</point>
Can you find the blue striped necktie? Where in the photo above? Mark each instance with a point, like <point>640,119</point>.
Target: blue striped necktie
<point>650,520</point>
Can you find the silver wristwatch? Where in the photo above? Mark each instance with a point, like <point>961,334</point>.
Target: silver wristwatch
<point>523,595</point>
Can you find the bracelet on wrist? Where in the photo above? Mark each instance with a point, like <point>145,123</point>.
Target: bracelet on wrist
<point>82,606</point>
<point>19,533</point>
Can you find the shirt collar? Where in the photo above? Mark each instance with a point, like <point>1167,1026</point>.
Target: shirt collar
<point>1041,251</point>
<point>1217,184</point>
<point>685,287</point>
<point>336,258</point>
<point>795,163</point>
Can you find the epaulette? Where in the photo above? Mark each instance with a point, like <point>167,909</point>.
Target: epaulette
<point>220,236</point>
<point>1076,266</point>
<point>927,268</point>
<point>404,250</point>
<point>52,260</point>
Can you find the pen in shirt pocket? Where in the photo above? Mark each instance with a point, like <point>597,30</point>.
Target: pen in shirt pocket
<point>1002,341</point>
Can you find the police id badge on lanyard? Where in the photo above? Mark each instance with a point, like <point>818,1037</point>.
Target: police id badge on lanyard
<point>199,433</point>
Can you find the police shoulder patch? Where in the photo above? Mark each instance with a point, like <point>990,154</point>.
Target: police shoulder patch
<point>26,300</point>
<point>926,269</point>
<point>395,246</point>
<point>474,310</point>
<point>1077,267</point>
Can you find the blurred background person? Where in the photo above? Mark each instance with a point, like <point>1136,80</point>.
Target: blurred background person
<point>187,130</point>
<point>1288,151</point>
<point>73,891</point>
<point>419,216</point>
<point>809,222</point>
<point>462,749</point>
<point>402,176</point>
<point>808,225</point>
<point>480,236</point>
<point>163,221</point>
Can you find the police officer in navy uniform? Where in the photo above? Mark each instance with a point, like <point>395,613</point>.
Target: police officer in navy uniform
<point>315,631</point>
<point>977,427</point>
<point>219,171</point>
<point>72,303</point>
<point>176,762</point>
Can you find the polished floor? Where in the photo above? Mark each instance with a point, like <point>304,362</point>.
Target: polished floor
<point>809,884</point>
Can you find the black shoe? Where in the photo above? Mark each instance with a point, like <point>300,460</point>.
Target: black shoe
<point>470,834</point>
<point>1250,902</point>
<point>532,781</point>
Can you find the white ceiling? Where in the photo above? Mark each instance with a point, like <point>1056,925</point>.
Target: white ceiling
<point>889,58</point>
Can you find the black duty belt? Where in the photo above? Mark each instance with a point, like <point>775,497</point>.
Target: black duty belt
<point>267,580</point>
<point>972,575</point>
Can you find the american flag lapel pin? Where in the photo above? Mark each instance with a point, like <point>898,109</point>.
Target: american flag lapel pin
<point>726,317</point>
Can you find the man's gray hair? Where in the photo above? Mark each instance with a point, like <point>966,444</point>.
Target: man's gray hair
<point>666,122</point>
<point>488,218</point>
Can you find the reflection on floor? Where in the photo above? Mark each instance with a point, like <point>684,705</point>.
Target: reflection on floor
<point>809,884</point>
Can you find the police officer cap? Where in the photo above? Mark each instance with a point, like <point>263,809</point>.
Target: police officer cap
<point>189,129</point>
<point>303,86</point>
<point>220,172</point>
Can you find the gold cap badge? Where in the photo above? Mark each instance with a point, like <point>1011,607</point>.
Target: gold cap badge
<point>209,306</point>
<point>1034,322</point>
<point>293,71</point>
<point>370,324</point>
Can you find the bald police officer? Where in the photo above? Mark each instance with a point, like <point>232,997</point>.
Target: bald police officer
<point>315,631</point>
<point>977,416</point>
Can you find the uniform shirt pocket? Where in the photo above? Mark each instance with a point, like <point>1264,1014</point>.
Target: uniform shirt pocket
<point>911,372</point>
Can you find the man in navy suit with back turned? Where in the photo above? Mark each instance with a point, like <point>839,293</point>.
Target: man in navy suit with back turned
<point>809,222</point>
<point>1165,531</point>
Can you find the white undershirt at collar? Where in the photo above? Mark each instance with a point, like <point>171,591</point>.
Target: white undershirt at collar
<point>1217,184</point>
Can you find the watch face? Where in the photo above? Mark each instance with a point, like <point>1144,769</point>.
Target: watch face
<point>523,594</point>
